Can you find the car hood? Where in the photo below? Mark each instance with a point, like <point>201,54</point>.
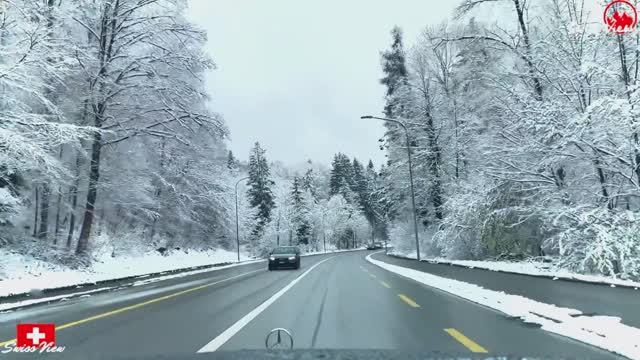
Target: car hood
<point>329,354</point>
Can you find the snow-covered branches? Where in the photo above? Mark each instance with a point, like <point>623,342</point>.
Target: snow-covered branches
<point>104,122</point>
<point>599,240</point>
<point>518,124</point>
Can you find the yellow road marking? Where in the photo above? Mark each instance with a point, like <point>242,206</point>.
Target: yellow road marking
<point>139,305</point>
<point>373,276</point>
<point>385,284</point>
<point>408,300</point>
<point>468,343</point>
<point>7,342</point>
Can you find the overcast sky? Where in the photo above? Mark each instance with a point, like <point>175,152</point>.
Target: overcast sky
<point>296,75</point>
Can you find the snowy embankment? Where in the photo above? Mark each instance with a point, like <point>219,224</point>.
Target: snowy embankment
<point>527,268</point>
<point>21,274</point>
<point>330,251</point>
<point>605,332</point>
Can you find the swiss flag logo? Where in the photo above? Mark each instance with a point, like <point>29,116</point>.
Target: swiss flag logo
<point>35,335</point>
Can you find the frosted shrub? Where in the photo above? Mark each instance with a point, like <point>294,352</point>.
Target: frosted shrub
<point>402,238</point>
<point>600,240</point>
<point>131,243</point>
<point>459,236</point>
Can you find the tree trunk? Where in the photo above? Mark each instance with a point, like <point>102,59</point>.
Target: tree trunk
<point>35,213</point>
<point>278,232</point>
<point>74,201</point>
<point>626,79</point>
<point>603,183</point>
<point>108,31</point>
<point>153,229</point>
<point>158,193</point>
<point>43,232</point>
<point>92,195</point>
<point>58,202</point>
<point>434,166</point>
<point>457,150</point>
<point>537,84</point>
<point>373,231</point>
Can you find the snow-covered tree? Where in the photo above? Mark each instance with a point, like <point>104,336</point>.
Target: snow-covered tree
<point>143,66</point>
<point>260,185</point>
<point>522,132</point>
<point>33,64</point>
<point>301,202</point>
<point>395,71</point>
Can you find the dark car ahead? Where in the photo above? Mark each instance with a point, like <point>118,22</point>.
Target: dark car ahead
<point>284,257</point>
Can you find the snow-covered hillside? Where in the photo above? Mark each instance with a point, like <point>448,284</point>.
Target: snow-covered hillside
<point>20,273</point>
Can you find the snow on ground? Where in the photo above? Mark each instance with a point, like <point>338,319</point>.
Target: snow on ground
<point>20,274</point>
<point>605,332</point>
<point>8,306</point>
<point>18,304</point>
<point>527,268</point>
<point>329,251</point>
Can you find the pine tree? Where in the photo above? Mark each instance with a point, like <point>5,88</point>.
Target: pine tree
<point>371,170</point>
<point>347,170</point>
<point>336,175</point>
<point>345,190</point>
<point>359,180</point>
<point>232,162</point>
<point>300,209</point>
<point>309,184</point>
<point>341,175</point>
<point>395,70</point>
<point>395,80</point>
<point>259,193</point>
<point>378,205</point>
<point>388,201</point>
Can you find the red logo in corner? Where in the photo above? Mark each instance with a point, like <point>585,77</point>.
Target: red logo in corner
<point>35,335</point>
<point>620,16</point>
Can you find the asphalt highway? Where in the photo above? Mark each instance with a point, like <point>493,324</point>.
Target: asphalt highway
<point>335,301</point>
<point>592,299</point>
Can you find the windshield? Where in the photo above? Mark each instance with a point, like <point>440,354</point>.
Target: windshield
<point>284,250</point>
<point>190,176</point>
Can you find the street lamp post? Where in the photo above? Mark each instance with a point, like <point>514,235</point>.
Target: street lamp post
<point>413,196</point>
<point>324,234</point>
<point>237,222</point>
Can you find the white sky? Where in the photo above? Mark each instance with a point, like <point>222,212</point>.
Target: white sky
<point>296,75</point>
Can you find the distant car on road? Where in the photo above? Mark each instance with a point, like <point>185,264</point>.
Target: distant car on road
<point>374,246</point>
<point>284,256</point>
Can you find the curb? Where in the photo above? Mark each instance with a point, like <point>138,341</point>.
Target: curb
<point>53,291</point>
<point>114,282</point>
<point>550,277</point>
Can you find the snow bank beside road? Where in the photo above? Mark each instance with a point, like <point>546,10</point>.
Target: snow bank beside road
<point>20,274</point>
<point>602,331</point>
<point>527,268</point>
<point>310,253</point>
